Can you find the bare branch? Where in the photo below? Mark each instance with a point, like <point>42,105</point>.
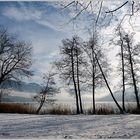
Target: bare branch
<point>99,12</point>
<point>82,10</point>
<point>130,16</point>
<point>111,11</point>
<point>68,5</point>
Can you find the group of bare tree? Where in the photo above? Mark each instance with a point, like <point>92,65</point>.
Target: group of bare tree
<point>96,66</point>
<point>129,54</point>
<point>84,64</point>
<point>71,67</point>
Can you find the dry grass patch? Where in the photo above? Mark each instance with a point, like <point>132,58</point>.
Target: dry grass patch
<point>16,108</point>
<point>60,110</point>
<point>102,111</point>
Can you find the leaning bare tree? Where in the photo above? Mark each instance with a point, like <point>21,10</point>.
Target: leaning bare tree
<point>48,89</point>
<point>95,76</point>
<point>15,57</point>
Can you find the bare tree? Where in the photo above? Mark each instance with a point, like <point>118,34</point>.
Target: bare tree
<point>77,53</point>
<point>99,68</point>
<point>120,42</point>
<point>91,47</point>
<point>71,67</point>
<point>48,89</point>
<point>129,54</point>
<point>119,107</point>
<point>15,57</point>
<point>67,67</point>
<point>132,57</point>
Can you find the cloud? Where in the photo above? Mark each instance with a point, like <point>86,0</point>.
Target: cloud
<point>46,14</point>
<point>22,14</point>
<point>46,41</point>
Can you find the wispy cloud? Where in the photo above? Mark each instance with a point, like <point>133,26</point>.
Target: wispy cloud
<point>22,14</point>
<point>28,14</point>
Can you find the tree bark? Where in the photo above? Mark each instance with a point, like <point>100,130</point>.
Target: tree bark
<point>74,81</point>
<point>78,83</point>
<point>133,75</point>
<point>93,82</point>
<point>40,106</point>
<point>123,76</point>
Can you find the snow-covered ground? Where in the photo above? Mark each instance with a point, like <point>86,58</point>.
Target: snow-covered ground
<point>69,126</point>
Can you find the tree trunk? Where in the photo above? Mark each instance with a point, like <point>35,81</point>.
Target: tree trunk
<point>40,106</point>
<point>93,92</point>
<point>133,75</point>
<point>93,82</point>
<point>2,79</point>
<point>78,83</point>
<point>119,107</point>
<point>73,77</point>
<point>123,76</point>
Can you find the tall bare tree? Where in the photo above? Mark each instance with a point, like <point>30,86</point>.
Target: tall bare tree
<point>120,42</point>
<point>66,66</point>
<point>132,57</point>
<point>77,53</point>
<point>71,67</point>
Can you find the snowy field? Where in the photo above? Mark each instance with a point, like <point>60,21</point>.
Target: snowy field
<point>69,126</point>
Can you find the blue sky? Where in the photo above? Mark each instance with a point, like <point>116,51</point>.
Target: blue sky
<point>41,23</point>
<point>44,24</point>
<point>38,23</point>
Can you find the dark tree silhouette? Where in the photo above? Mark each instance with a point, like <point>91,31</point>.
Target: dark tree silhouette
<point>121,110</point>
<point>71,67</point>
<point>129,54</point>
<point>132,67</point>
<point>15,57</point>
<point>48,89</point>
<point>120,42</point>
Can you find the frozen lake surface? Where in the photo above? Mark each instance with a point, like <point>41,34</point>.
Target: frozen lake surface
<point>69,126</point>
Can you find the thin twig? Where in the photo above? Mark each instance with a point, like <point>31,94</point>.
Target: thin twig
<point>99,12</point>
<point>68,5</point>
<point>81,11</point>
<point>130,15</point>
